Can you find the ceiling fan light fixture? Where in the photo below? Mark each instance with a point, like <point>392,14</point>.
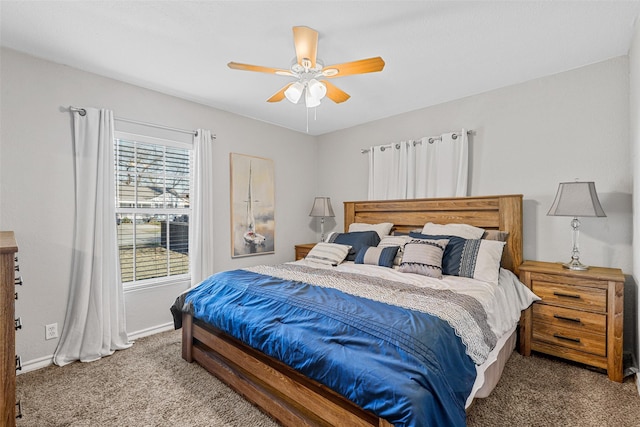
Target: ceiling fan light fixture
<point>294,92</point>
<point>310,100</point>
<point>317,89</point>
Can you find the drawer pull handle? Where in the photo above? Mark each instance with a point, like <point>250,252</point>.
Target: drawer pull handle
<point>18,323</point>
<point>19,409</point>
<point>562,337</point>
<point>18,363</point>
<point>18,280</point>
<point>563,295</point>
<point>570,319</point>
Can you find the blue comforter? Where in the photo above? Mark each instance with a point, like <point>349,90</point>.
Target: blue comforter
<point>403,365</point>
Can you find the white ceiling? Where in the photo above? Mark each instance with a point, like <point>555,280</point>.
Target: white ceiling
<point>435,51</point>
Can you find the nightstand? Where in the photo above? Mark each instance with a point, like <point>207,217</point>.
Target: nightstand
<point>303,250</point>
<point>579,317</point>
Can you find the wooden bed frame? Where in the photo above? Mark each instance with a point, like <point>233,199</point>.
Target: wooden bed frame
<point>295,400</point>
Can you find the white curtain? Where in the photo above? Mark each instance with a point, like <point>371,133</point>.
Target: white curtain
<point>430,167</point>
<point>94,325</point>
<point>202,204</point>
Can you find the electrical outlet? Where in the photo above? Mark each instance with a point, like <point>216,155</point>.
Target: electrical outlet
<point>51,331</point>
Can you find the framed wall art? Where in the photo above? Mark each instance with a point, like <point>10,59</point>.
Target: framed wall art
<point>252,205</point>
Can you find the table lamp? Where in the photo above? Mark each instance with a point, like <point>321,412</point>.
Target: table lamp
<point>322,209</point>
<point>576,199</point>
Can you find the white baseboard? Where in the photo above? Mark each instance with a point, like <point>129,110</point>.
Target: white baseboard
<point>35,364</point>
<point>43,362</point>
<point>150,331</point>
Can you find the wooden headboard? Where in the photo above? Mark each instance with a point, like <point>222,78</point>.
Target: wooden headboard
<point>488,212</point>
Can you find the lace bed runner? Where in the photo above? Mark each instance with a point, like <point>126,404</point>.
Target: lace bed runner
<point>462,312</point>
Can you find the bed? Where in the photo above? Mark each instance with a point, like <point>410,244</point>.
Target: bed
<point>293,398</point>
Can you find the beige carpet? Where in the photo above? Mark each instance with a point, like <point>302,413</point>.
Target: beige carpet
<point>150,385</point>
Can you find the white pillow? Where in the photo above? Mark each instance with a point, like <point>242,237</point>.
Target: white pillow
<point>383,229</point>
<point>484,263</point>
<point>465,231</point>
<point>328,253</point>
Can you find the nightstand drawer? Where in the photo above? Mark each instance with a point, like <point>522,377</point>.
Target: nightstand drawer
<point>569,338</point>
<point>572,296</point>
<point>568,318</point>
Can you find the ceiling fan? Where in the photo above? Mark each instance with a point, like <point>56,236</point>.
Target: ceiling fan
<point>310,72</point>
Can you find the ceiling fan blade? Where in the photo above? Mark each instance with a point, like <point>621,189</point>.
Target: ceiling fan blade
<point>279,95</point>
<point>362,66</point>
<point>334,93</point>
<point>305,41</point>
<point>259,69</point>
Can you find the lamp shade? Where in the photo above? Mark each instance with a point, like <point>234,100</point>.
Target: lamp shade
<point>294,92</point>
<point>310,100</point>
<point>317,89</point>
<point>322,207</point>
<point>576,199</point>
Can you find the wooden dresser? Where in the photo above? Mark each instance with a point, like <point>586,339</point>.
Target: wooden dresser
<point>580,316</point>
<point>8,325</point>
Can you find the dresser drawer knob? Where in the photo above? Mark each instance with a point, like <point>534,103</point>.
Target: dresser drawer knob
<point>18,281</point>
<point>569,319</point>
<point>562,337</point>
<point>18,363</point>
<point>18,323</point>
<point>563,295</point>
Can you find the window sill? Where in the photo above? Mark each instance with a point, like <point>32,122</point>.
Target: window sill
<point>184,280</point>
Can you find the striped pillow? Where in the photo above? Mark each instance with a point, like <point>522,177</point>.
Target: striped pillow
<point>377,256</point>
<point>328,253</point>
<point>399,241</point>
<point>422,256</point>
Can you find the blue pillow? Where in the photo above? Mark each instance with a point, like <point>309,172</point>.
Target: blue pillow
<point>356,239</point>
<point>383,256</point>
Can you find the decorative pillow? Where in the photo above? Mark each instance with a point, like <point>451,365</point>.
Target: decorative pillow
<point>395,241</point>
<point>465,231</point>
<point>383,229</point>
<point>499,235</point>
<point>475,258</point>
<point>356,239</point>
<point>422,256</point>
<point>328,253</point>
<point>377,256</point>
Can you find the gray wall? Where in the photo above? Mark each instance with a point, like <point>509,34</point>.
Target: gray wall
<point>37,194</point>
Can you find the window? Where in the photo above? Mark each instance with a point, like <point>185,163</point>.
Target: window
<point>153,183</point>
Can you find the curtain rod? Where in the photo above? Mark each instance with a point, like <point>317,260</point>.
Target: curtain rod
<point>418,141</point>
<point>82,112</point>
